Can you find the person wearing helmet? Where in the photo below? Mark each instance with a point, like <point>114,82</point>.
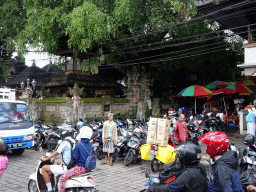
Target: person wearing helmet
<point>3,157</point>
<point>193,176</point>
<point>80,123</point>
<point>80,154</point>
<point>65,149</point>
<point>224,176</point>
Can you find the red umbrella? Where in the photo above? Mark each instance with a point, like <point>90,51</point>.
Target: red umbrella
<point>247,107</point>
<point>222,91</point>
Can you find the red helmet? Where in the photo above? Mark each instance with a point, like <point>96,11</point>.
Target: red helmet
<point>216,142</point>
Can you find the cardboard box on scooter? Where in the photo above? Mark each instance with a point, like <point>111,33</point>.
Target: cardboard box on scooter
<point>158,131</point>
<point>152,127</point>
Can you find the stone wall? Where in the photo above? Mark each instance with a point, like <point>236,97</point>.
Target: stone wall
<point>61,112</point>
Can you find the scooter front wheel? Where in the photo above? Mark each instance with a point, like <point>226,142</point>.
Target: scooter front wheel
<point>32,187</point>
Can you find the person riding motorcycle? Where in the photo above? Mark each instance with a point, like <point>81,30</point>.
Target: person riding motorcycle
<point>192,178</point>
<point>80,154</point>
<point>61,167</point>
<point>224,176</point>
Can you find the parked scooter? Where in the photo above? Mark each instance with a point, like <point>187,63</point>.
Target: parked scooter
<point>134,143</point>
<point>81,182</point>
<point>121,148</point>
<point>40,135</point>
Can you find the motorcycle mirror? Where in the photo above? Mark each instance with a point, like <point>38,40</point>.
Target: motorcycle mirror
<point>147,174</point>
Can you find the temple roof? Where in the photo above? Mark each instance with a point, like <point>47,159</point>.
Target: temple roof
<point>33,72</point>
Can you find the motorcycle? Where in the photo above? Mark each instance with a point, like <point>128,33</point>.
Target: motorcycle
<point>40,136</point>
<point>121,148</point>
<point>134,143</point>
<point>169,174</point>
<point>97,144</point>
<point>83,182</point>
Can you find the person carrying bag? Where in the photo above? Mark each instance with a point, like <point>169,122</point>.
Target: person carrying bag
<point>83,156</point>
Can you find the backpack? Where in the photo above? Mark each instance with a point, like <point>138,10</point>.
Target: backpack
<point>90,163</point>
<point>72,162</point>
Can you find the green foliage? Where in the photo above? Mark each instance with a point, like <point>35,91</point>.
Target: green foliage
<point>84,30</point>
<point>95,26</point>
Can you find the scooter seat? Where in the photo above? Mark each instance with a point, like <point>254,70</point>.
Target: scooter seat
<point>82,175</point>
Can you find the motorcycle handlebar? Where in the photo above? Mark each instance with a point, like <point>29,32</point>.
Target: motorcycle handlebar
<point>251,153</point>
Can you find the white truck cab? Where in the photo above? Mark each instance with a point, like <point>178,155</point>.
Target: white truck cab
<point>16,124</point>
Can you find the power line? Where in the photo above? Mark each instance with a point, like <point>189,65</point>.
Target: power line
<point>185,22</point>
<point>172,45</point>
<point>182,38</point>
<point>179,44</point>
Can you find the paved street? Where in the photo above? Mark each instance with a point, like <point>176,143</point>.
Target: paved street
<point>117,178</point>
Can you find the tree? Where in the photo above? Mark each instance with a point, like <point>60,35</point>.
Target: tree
<point>11,24</point>
<point>122,30</point>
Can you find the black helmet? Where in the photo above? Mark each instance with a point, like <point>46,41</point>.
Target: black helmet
<point>249,139</point>
<point>189,154</point>
<point>80,119</point>
<point>66,134</point>
<point>3,147</point>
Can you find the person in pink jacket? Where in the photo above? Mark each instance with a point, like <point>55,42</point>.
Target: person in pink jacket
<point>3,157</point>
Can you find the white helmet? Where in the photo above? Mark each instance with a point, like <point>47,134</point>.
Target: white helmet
<point>85,132</point>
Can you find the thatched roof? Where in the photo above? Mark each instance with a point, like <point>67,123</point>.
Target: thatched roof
<point>83,79</point>
<point>33,72</point>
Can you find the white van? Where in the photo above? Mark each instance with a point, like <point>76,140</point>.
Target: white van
<point>16,125</point>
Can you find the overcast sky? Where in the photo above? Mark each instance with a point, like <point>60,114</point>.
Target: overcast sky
<point>41,58</point>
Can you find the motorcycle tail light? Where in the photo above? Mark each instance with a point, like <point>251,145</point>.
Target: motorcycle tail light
<point>153,147</point>
<point>94,140</point>
<point>46,133</point>
<point>38,134</point>
<point>90,180</point>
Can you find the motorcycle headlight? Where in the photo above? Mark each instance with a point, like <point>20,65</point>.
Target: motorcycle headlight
<point>28,137</point>
<point>156,180</point>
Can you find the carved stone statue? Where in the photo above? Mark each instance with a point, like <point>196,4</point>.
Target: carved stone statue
<point>141,110</point>
<point>156,108</point>
<point>81,110</point>
<point>69,111</point>
<point>35,111</point>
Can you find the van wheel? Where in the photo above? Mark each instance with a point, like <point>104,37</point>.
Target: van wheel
<point>18,151</point>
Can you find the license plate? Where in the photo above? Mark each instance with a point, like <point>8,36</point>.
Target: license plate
<point>95,144</point>
<point>16,145</point>
<point>152,152</point>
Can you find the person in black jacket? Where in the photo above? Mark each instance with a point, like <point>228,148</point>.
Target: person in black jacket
<point>192,178</point>
<point>224,175</point>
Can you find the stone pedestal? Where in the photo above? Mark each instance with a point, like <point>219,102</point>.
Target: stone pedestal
<point>242,121</point>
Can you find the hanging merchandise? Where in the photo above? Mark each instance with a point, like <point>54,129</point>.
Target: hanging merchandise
<point>238,101</point>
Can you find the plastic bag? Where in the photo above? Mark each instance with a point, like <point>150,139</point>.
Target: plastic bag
<point>144,151</point>
<point>166,154</point>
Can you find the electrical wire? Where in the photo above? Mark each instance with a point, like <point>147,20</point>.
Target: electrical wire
<point>188,21</point>
<point>225,16</point>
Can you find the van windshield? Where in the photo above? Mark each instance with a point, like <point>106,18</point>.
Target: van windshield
<point>14,112</point>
